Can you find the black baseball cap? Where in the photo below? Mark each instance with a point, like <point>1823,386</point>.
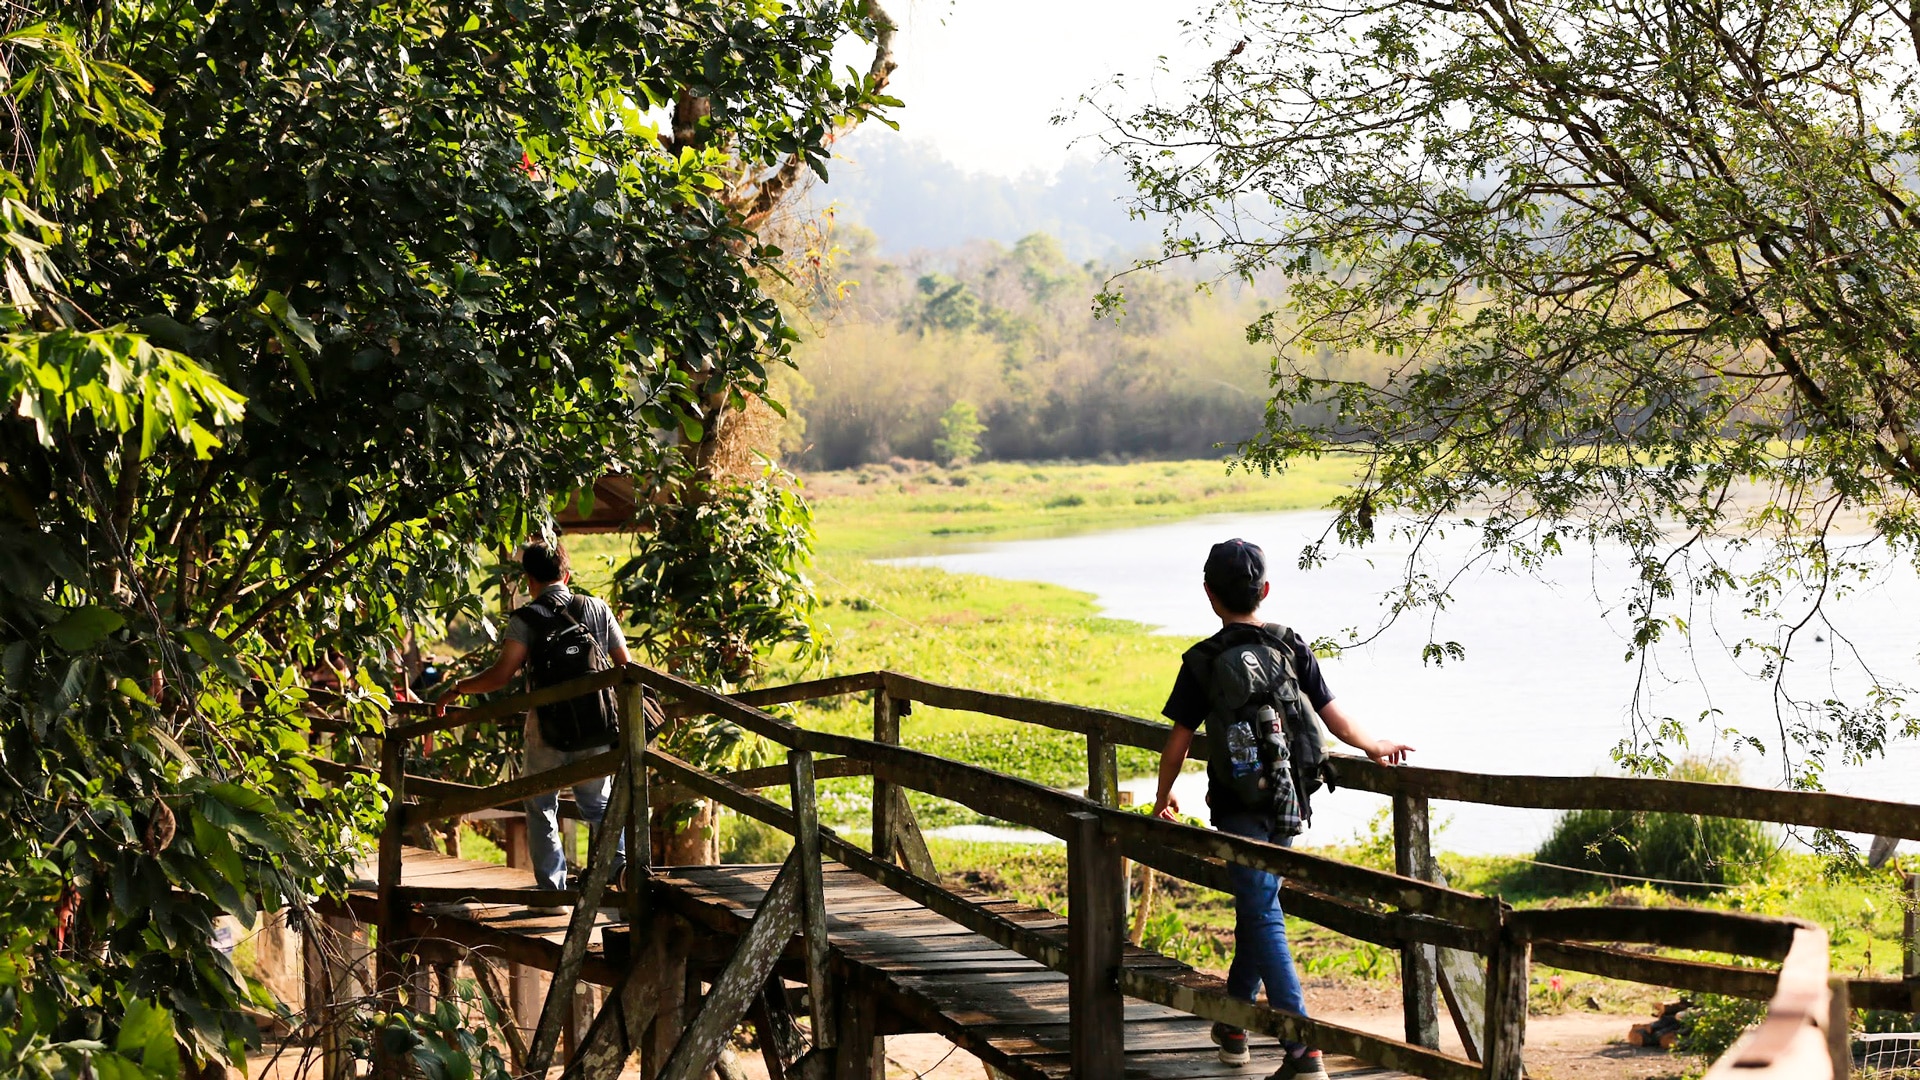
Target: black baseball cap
<point>1235,571</point>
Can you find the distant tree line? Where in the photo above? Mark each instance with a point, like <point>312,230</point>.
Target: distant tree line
<point>1011,333</point>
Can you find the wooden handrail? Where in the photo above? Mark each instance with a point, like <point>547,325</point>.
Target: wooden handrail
<point>513,703</point>
<point>523,787</point>
<point>1803,1036</point>
<point>1041,807</point>
<point>1812,809</point>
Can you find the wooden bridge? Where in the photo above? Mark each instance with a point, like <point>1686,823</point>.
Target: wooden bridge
<point>842,945</point>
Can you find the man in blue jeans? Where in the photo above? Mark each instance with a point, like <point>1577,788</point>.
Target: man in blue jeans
<point>548,571</point>
<point>1236,583</point>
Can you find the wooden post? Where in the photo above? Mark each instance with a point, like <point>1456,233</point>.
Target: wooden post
<point>388,973</point>
<point>639,825</point>
<point>1506,1004</point>
<point>862,1051</point>
<point>1096,922</point>
<point>526,985</point>
<point>1839,1038</point>
<point>886,729</point>
<point>326,966</point>
<point>1103,771</point>
<point>670,997</point>
<point>779,1039</point>
<point>813,900</point>
<point>1413,857</point>
<point>742,979</point>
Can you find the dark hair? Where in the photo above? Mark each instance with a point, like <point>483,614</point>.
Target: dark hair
<point>1240,599</point>
<point>545,564</point>
<point>1234,573</point>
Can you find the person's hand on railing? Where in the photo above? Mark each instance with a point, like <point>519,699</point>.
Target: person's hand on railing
<point>1167,809</point>
<point>1388,752</point>
<point>446,696</point>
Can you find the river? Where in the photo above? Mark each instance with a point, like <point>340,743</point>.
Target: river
<point>1544,687</point>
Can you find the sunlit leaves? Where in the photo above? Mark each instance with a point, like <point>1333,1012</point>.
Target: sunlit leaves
<point>1636,274</point>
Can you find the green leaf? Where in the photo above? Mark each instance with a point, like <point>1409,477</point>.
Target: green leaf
<point>131,690</point>
<point>85,627</point>
<point>692,429</point>
<point>216,652</point>
<point>146,1035</point>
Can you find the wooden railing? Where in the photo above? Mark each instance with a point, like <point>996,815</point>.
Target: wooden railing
<point>1434,927</point>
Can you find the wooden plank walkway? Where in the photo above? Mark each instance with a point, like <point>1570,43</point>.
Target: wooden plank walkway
<point>934,974</point>
<point>1005,1009</point>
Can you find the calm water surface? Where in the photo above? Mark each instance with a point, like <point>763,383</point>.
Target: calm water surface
<point>1544,688</point>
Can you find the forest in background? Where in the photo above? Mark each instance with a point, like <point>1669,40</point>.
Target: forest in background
<point>896,343</point>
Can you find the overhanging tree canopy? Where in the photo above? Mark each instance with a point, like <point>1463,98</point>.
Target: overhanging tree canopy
<point>350,292</point>
<point>1645,271</point>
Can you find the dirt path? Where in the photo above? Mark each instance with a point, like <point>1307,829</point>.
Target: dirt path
<point>1569,1046</point>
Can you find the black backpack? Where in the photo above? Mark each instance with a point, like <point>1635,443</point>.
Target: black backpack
<point>561,648</point>
<point>1268,753</point>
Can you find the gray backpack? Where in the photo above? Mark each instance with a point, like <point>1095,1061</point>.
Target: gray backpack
<point>1268,754</point>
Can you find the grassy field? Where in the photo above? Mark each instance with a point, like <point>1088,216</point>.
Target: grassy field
<point>916,508</point>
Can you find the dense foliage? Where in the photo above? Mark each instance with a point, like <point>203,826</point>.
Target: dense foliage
<point>1668,847</point>
<point>1647,271</point>
<point>311,309</point>
<point>1009,331</point>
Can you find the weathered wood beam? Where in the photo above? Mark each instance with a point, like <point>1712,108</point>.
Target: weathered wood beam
<point>1206,996</point>
<point>495,994</point>
<point>1791,1041</point>
<point>519,788</point>
<point>1096,943</point>
<point>573,951</point>
<point>1419,982</point>
<point>1506,1032</point>
<point>811,690</point>
<point>770,776</point>
<point>1813,809</point>
<point>1696,975</point>
<point>512,704</point>
<point>743,978</point>
<point>1676,928</point>
<point>813,899</point>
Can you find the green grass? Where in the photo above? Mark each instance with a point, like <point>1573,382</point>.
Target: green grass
<point>879,510</point>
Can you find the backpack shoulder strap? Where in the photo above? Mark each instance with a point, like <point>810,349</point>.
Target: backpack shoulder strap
<point>576,613</point>
<point>537,615</point>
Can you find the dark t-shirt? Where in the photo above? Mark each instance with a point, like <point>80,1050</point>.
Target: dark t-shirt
<point>1187,705</point>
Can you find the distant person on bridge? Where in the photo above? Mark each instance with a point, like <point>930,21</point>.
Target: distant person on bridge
<point>565,636</point>
<point>1256,686</point>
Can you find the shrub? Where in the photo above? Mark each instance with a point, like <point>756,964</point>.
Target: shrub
<point>1713,1022</point>
<point>1674,847</point>
<point>745,841</point>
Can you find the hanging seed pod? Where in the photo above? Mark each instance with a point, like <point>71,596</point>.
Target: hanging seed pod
<point>158,835</point>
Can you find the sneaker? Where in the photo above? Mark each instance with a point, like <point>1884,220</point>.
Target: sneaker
<point>1232,1043</point>
<point>1301,1064</point>
<point>542,911</point>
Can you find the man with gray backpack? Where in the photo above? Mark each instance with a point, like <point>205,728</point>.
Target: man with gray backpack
<point>1258,689</point>
<point>558,637</point>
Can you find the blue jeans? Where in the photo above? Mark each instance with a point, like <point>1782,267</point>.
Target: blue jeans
<point>1260,953</point>
<point>543,811</point>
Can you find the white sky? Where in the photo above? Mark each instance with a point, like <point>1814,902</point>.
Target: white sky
<point>982,79</point>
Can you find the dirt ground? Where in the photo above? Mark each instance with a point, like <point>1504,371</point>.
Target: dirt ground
<point>1569,1046</point>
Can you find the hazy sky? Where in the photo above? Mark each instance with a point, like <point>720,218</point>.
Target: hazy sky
<point>982,79</point>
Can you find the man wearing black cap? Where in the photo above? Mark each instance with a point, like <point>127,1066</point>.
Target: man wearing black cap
<point>1261,804</point>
